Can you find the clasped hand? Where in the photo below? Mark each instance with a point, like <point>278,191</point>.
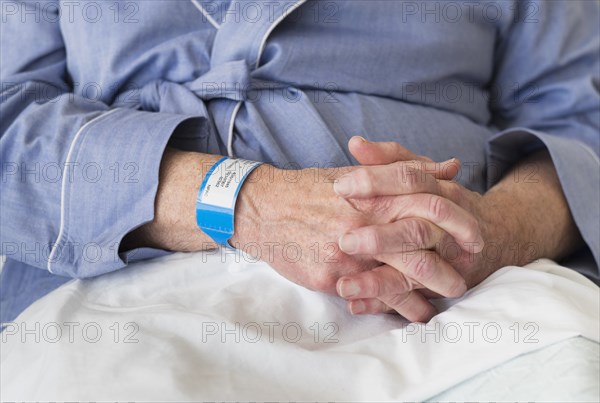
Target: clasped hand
<point>385,236</point>
<point>432,246</point>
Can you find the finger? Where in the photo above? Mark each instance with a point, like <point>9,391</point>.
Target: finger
<point>392,179</point>
<point>429,269</point>
<point>382,280</point>
<point>368,306</point>
<point>428,294</point>
<point>413,306</point>
<point>404,235</point>
<point>445,214</point>
<point>382,153</point>
<point>446,170</point>
<point>437,210</point>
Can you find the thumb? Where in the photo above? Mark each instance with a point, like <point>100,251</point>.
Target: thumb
<point>380,153</point>
<point>383,153</point>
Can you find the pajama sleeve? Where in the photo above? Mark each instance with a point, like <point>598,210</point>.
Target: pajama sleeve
<point>77,175</point>
<point>546,95</point>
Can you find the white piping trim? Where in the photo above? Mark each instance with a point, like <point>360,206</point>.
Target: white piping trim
<point>64,187</point>
<point>592,153</point>
<point>206,14</point>
<point>272,27</point>
<point>231,124</point>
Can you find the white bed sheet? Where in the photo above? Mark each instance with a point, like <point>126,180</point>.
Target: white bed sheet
<point>180,313</point>
<point>567,371</point>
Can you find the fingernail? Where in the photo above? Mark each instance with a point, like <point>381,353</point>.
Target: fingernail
<point>348,243</point>
<point>348,289</point>
<point>363,139</point>
<point>357,307</point>
<point>344,186</point>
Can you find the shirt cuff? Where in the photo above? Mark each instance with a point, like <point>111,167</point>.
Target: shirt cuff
<point>577,166</point>
<point>118,155</point>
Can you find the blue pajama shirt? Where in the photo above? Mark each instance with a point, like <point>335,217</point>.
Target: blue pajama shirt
<point>93,92</point>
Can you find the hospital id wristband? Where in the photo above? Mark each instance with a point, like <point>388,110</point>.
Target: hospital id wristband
<point>215,204</point>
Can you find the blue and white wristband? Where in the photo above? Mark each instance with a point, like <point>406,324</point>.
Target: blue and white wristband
<point>215,204</point>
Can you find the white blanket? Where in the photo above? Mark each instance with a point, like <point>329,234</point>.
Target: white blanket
<point>194,327</point>
<point>567,371</point>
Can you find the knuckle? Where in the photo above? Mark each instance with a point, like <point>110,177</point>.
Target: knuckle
<point>364,179</point>
<point>439,209</point>
<point>422,267</point>
<point>406,175</point>
<point>366,206</point>
<point>323,282</point>
<point>373,241</point>
<point>405,285</point>
<point>384,204</point>
<point>378,204</point>
<point>374,284</point>
<point>420,232</point>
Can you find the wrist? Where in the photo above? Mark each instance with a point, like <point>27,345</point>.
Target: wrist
<point>510,229</point>
<point>253,206</point>
<point>174,224</point>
